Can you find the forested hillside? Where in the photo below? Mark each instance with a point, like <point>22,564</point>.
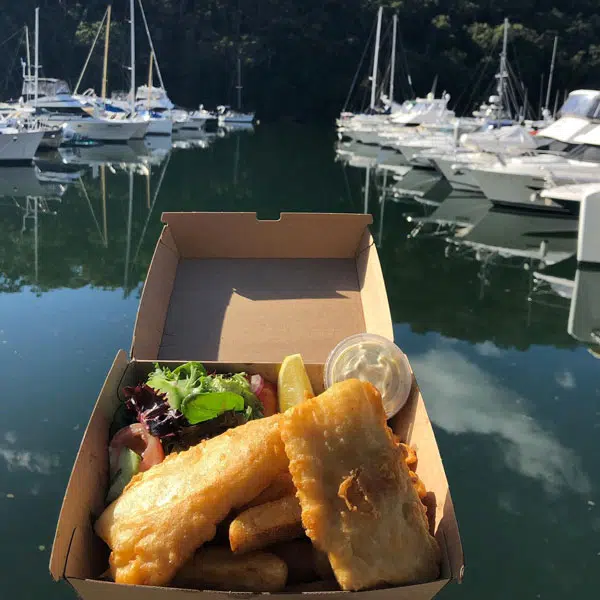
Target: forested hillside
<point>299,57</point>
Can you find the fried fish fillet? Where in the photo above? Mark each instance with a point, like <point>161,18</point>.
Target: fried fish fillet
<point>261,526</point>
<point>358,502</point>
<point>168,512</point>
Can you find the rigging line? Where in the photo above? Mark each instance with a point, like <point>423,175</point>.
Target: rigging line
<point>474,88</point>
<point>512,47</point>
<point>87,60</point>
<point>12,64</point>
<point>159,185</point>
<point>360,64</point>
<point>17,32</point>
<point>516,88</point>
<point>89,203</point>
<point>483,65</point>
<point>365,99</point>
<point>512,98</point>
<point>162,85</point>
<point>384,82</point>
<point>348,190</point>
<point>405,61</point>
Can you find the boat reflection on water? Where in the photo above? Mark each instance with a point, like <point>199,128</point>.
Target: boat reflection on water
<point>545,239</point>
<point>231,127</point>
<point>187,139</point>
<point>455,213</point>
<point>152,151</point>
<point>469,228</point>
<point>351,151</point>
<point>542,245</point>
<point>27,181</point>
<point>32,197</point>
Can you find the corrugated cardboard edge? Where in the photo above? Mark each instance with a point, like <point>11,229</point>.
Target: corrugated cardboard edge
<point>155,298</point>
<point>78,489</point>
<point>99,590</point>
<point>372,289</point>
<point>292,235</point>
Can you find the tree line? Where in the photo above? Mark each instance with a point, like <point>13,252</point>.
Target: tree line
<point>299,58</point>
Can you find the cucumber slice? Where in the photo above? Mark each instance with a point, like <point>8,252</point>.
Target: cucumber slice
<point>129,465</point>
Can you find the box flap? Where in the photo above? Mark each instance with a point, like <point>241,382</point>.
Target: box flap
<point>229,287</point>
<point>90,466</point>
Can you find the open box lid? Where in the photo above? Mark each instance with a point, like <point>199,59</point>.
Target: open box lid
<point>229,287</point>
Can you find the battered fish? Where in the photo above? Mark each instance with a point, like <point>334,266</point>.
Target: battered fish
<point>358,502</point>
<point>168,512</point>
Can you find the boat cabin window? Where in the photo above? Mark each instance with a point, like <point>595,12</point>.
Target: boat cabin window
<point>63,110</point>
<point>586,152</point>
<point>551,145</point>
<point>581,105</point>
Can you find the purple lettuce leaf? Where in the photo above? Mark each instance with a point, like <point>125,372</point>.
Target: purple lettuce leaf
<point>152,409</point>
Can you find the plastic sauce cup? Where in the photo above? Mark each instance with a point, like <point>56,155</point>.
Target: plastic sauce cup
<point>375,359</point>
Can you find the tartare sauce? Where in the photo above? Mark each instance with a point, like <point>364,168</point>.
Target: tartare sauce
<point>374,359</point>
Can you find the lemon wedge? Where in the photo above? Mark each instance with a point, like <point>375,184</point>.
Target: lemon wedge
<point>293,384</point>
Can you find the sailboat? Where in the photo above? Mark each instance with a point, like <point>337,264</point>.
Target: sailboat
<point>228,116</point>
<point>154,103</point>
<point>54,105</point>
<point>148,104</point>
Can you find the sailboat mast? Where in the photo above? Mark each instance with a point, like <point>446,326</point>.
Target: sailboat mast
<point>106,41</point>
<point>239,82</point>
<point>376,58</point>
<point>503,74</point>
<point>27,87</point>
<point>541,106</point>
<point>128,244</point>
<point>104,220</point>
<point>393,59</point>
<point>36,53</point>
<point>548,91</point>
<point>150,79</point>
<point>132,34</point>
<point>367,183</point>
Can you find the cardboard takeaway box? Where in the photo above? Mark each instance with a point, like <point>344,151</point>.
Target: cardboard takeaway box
<point>238,293</point>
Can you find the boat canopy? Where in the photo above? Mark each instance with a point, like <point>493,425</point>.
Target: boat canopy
<point>504,139</point>
<point>582,103</point>
<point>590,136</point>
<point>565,128</point>
<point>47,86</point>
<point>157,96</point>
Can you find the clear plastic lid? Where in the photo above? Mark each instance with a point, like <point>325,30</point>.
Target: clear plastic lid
<point>375,359</point>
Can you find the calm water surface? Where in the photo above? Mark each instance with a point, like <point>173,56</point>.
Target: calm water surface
<point>514,393</point>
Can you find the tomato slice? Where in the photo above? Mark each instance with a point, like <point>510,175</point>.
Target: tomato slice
<point>136,438</point>
<point>268,397</point>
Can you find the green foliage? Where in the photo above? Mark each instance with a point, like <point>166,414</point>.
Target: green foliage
<point>299,57</point>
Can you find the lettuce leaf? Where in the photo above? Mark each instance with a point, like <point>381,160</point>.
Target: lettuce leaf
<point>186,396</point>
<point>152,409</point>
<point>204,406</point>
<point>238,384</point>
<point>178,383</point>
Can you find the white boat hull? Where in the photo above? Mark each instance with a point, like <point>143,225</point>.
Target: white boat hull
<point>102,130</point>
<point>516,190</point>
<point>160,127</point>
<point>237,118</point>
<point>139,130</point>
<point>458,176</point>
<point>20,146</point>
